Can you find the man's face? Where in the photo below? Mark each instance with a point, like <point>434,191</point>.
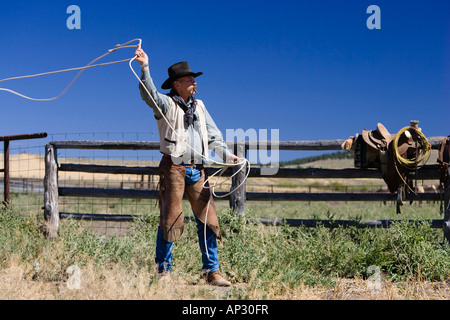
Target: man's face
<point>185,86</point>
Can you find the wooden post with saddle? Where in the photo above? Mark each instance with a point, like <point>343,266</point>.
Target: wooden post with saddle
<point>398,157</point>
<point>444,183</point>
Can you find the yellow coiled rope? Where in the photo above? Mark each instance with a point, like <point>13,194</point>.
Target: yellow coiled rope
<point>422,154</point>
<point>424,150</point>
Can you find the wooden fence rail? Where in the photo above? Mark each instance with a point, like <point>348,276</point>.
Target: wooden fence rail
<point>5,170</point>
<point>238,198</point>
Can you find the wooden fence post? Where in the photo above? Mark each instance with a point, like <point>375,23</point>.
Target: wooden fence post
<point>51,210</point>
<point>6,140</point>
<point>446,221</point>
<point>6,173</point>
<point>238,198</point>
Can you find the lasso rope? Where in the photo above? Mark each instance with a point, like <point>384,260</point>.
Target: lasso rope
<point>425,149</point>
<point>82,69</point>
<point>241,161</point>
<point>219,173</point>
<point>412,163</point>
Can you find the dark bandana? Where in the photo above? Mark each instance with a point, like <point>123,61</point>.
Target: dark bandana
<point>189,112</point>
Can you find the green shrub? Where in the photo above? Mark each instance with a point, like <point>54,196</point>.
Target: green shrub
<point>263,257</point>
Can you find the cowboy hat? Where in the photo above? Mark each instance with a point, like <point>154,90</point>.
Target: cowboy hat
<point>176,71</point>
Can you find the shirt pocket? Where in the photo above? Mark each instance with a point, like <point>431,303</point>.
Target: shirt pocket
<point>171,136</point>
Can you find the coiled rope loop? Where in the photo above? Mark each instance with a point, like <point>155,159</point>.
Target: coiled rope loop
<point>423,151</point>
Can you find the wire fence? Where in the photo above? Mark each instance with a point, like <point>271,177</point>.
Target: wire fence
<point>27,170</point>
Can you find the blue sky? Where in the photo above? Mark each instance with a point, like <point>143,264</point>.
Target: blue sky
<point>311,69</point>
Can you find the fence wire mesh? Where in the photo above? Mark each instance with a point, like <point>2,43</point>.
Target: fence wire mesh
<point>27,170</point>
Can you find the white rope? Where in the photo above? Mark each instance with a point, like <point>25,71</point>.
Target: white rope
<point>219,173</point>
<point>241,161</point>
<point>82,69</point>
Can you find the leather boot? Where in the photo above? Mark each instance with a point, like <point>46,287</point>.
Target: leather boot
<point>216,279</point>
<point>164,277</point>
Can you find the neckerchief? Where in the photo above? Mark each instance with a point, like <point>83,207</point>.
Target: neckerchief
<point>189,112</point>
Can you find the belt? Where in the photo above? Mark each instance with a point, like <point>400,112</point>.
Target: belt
<point>192,165</point>
<point>187,165</point>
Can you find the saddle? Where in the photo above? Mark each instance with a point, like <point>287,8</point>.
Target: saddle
<point>375,149</point>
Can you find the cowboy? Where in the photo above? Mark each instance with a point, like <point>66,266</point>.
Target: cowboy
<point>191,133</point>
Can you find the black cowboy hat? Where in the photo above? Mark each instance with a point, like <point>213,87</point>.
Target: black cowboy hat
<point>178,70</point>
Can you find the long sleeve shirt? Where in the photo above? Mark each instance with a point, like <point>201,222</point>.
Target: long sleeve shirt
<point>194,137</point>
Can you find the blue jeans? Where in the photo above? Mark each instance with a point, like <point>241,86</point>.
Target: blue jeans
<point>210,258</point>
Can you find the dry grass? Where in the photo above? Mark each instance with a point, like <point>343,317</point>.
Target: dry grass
<point>114,283</point>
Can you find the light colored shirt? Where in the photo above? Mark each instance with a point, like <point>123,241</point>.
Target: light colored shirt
<point>194,137</point>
